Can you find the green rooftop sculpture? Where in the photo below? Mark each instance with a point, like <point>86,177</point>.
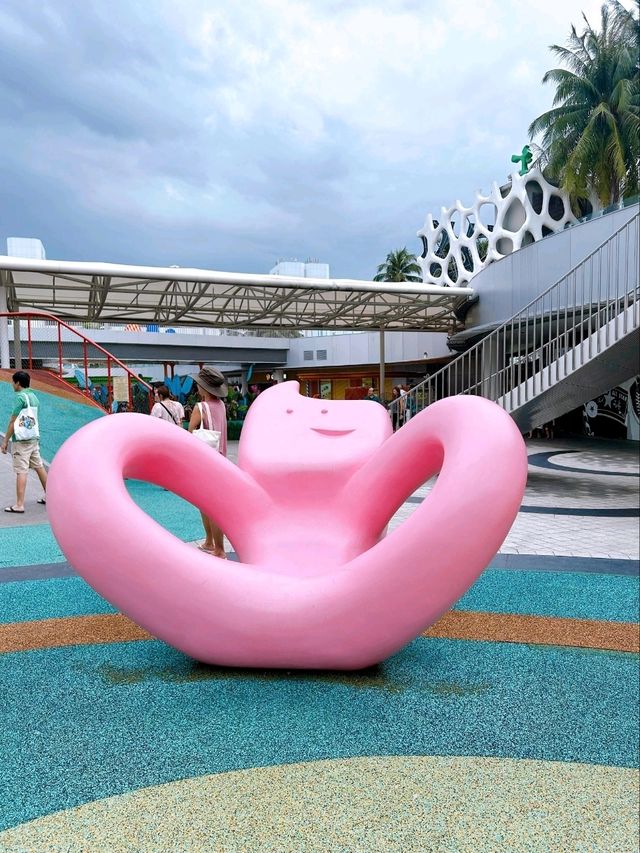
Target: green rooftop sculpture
<point>524,159</point>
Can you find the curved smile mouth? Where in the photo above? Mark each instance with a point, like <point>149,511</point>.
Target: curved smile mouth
<point>332,431</point>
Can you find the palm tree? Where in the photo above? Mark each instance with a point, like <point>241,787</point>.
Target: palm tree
<point>590,139</point>
<point>400,265</point>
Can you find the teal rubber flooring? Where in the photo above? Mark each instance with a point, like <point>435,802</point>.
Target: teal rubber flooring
<point>88,722</point>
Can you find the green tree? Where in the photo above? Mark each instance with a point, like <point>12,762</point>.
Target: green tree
<point>400,265</point>
<point>590,138</point>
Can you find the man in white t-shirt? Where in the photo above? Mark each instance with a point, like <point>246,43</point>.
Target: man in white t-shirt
<point>167,409</point>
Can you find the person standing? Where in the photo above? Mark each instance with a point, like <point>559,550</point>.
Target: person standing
<point>403,404</point>
<point>371,395</point>
<point>167,409</point>
<point>410,405</point>
<point>211,413</point>
<point>23,431</point>
<point>400,407</point>
<point>394,407</point>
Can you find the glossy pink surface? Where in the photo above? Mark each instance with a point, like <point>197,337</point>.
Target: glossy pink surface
<point>306,509</point>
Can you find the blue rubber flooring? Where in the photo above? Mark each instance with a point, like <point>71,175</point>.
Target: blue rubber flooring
<point>87,722</point>
<point>29,546</point>
<point>578,596</point>
<point>26,601</point>
<point>34,545</point>
<point>609,597</point>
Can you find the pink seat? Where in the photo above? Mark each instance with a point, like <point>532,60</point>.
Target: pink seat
<point>319,584</point>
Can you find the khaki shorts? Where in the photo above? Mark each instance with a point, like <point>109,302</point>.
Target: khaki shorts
<point>26,454</point>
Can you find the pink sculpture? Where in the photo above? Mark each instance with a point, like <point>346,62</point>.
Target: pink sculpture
<point>320,585</point>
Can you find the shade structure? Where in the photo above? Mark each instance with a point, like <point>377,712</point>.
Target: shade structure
<point>120,293</point>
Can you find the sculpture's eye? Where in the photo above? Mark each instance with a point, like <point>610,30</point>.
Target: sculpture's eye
<point>324,411</point>
<point>289,411</point>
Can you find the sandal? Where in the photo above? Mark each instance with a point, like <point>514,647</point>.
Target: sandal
<point>16,511</point>
<point>42,501</point>
<point>212,552</point>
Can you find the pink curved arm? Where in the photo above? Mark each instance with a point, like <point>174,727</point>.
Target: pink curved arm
<point>306,509</point>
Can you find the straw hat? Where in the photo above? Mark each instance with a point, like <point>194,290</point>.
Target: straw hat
<point>210,379</point>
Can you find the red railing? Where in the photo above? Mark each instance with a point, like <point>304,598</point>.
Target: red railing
<point>139,394</point>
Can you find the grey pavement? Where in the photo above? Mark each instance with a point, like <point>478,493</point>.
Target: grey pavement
<point>34,513</point>
<point>602,483</point>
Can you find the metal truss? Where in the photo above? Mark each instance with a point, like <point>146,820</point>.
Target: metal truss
<point>112,293</point>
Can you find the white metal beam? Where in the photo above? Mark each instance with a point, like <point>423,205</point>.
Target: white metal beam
<point>5,358</point>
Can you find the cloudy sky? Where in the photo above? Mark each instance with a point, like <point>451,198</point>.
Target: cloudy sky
<point>226,135</point>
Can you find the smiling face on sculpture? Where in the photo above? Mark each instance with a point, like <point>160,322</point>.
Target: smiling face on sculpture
<point>285,432</point>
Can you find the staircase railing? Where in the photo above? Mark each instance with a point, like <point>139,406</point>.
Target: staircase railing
<point>513,364</point>
<point>117,384</point>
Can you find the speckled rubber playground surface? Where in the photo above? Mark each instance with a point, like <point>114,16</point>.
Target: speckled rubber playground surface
<point>512,724</point>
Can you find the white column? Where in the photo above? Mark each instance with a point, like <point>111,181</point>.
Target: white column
<point>382,358</point>
<point>17,344</point>
<point>4,330</point>
<point>490,367</point>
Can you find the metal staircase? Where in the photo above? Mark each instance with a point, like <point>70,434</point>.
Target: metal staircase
<point>575,341</point>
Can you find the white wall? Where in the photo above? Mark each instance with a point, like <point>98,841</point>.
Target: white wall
<point>315,269</point>
<point>310,269</point>
<point>25,247</point>
<point>506,286</point>
<point>293,268</point>
<point>364,348</point>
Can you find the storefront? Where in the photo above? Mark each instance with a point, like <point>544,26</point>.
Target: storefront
<point>351,383</point>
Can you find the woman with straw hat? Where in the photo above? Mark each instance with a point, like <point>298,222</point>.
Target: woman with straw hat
<point>211,414</point>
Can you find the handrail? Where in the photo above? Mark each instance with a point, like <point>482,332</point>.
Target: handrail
<point>86,342</point>
<point>511,361</point>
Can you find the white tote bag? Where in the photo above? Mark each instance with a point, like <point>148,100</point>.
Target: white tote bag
<point>204,432</point>
<point>25,426</point>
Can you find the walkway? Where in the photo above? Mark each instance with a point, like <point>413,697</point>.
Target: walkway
<point>37,513</point>
<point>581,501</point>
<point>510,725</point>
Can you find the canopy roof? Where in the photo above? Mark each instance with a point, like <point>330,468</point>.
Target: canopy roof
<point>116,293</point>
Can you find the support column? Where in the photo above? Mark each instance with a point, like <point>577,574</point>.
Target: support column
<point>17,344</point>
<point>382,357</point>
<point>491,365</point>
<point>5,358</point>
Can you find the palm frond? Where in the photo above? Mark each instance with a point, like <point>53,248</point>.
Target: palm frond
<point>571,58</point>
<point>548,120</point>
